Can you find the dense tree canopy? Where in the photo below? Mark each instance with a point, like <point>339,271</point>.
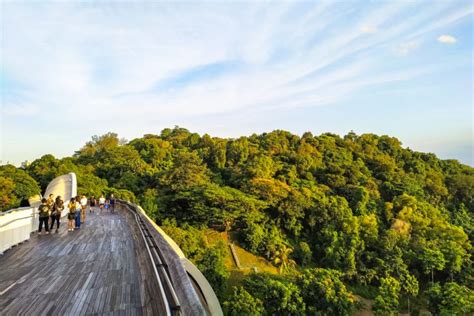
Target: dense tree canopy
<point>16,187</point>
<point>358,210</point>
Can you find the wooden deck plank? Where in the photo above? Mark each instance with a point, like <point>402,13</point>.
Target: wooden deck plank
<point>94,270</point>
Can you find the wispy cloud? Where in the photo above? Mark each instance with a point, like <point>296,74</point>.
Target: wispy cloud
<point>447,39</point>
<point>405,48</point>
<point>168,61</point>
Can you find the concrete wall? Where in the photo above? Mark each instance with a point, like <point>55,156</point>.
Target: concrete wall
<point>64,186</point>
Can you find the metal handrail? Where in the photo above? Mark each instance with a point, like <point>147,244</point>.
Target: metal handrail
<point>158,260</point>
<point>157,275</point>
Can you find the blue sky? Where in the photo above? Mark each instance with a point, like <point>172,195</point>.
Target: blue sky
<point>73,70</point>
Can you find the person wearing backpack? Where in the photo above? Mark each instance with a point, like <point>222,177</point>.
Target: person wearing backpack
<point>58,207</point>
<point>43,210</point>
<point>71,216</point>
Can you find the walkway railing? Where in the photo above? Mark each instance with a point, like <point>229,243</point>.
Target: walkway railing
<point>158,261</point>
<point>166,254</point>
<point>15,226</point>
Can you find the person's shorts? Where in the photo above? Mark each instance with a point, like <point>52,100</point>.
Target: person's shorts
<point>71,216</point>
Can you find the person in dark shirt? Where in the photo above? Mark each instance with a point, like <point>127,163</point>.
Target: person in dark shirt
<point>58,207</point>
<point>71,216</point>
<point>92,203</point>
<point>43,211</point>
<point>112,203</point>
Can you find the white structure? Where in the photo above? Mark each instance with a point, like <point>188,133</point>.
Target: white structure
<point>16,225</point>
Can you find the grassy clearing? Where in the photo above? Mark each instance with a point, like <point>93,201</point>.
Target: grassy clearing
<point>248,261</point>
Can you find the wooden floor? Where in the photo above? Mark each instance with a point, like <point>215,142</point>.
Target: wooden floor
<point>94,270</point>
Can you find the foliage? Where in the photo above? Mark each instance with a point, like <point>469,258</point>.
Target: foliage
<point>386,303</point>
<point>324,293</point>
<point>240,302</point>
<point>451,299</point>
<point>361,205</point>
<point>211,264</point>
<point>16,186</point>
<point>279,296</point>
<point>303,254</point>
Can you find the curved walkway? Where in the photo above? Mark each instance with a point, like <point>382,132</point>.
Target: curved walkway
<point>98,269</point>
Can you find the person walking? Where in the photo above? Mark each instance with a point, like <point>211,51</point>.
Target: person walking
<point>78,212</point>
<point>43,211</point>
<point>71,216</point>
<point>83,208</point>
<point>58,208</point>
<point>101,203</point>
<point>50,202</point>
<point>112,203</point>
<point>92,203</point>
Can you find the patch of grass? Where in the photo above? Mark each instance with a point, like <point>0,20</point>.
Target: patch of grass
<point>248,261</point>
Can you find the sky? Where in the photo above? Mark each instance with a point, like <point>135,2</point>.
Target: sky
<point>77,69</point>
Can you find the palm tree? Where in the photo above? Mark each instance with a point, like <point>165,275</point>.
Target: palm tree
<point>282,258</point>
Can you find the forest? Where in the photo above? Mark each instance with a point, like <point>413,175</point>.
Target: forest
<point>342,218</point>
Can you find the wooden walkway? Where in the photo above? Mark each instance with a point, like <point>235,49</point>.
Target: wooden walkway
<point>99,269</point>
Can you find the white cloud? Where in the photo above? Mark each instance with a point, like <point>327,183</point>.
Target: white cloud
<point>405,48</point>
<point>447,39</point>
<point>370,29</point>
<point>105,60</point>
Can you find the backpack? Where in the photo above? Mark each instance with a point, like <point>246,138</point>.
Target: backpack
<point>72,207</point>
<point>43,210</point>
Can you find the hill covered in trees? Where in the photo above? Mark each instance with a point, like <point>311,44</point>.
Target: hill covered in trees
<point>338,216</point>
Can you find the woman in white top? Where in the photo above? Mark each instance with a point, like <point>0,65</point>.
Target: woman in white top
<point>101,203</point>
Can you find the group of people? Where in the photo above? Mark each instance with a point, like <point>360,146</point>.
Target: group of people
<point>51,209</point>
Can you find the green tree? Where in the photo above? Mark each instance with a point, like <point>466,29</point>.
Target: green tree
<point>432,259</point>
<point>282,259</point>
<point>386,303</point>
<point>211,264</point>
<point>16,187</point>
<point>240,302</point>
<point>99,143</point>
<point>186,172</point>
<point>451,299</point>
<point>409,286</point>
<point>324,293</point>
<point>303,253</point>
<point>43,170</point>
<point>279,297</point>
<point>7,195</point>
